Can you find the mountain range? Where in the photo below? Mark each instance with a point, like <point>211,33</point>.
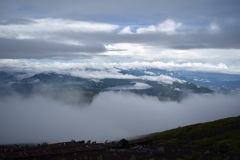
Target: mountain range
<point>162,84</point>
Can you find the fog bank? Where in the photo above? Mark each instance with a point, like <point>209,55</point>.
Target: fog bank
<point>111,116</point>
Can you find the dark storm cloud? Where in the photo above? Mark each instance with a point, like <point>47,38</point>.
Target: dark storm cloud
<point>16,48</point>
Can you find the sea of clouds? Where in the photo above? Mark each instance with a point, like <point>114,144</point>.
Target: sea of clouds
<point>110,116</point>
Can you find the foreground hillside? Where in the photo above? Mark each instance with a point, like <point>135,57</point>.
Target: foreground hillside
<point>219,139</point>
<point>213,140</point>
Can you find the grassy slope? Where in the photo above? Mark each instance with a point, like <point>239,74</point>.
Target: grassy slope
<point>219,134</point>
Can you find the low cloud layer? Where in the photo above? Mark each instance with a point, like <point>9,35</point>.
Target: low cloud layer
<point>99,70</point>
<point>111,116</point>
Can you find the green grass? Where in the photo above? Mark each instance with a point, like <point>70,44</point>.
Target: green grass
<point>224,133</point>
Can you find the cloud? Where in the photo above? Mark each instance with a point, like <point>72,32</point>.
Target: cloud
<point>106,39</point>
<point>111,116</point>
<point>163,25</point>
<point>214,27</point>
<point>162,79</point>
<point>169,26</point>
<point>16,21</point>
<point>126,30</point>
<point>40,49</point>
<point>41,28</point>
<point>139,52</point>
<point>94,70</point>
<point>155,10</point>
<point>135,86</point>
<point>41,38</point>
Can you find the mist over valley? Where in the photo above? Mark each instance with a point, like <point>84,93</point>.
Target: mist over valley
<point>53,107</point>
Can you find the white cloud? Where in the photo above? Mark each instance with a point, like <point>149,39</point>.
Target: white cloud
<point>148,29</point>
<point>43,28</point>
<point>96,75</point>
<point>93,37</point>
<point>137,86</point>
<point>99,71</point>
<point>162,79</point>
<point>107,70</point>
<point>128,50</point>
<point>126,30</point>
<point>149,73</point>
<point>169,26</point>
<point>140,52</point>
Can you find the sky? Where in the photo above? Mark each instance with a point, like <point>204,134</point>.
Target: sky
<point>188,33</point>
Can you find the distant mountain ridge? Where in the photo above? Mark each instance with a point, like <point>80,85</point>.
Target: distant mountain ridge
<point>164,84</point>
<point>215,81</point>
<point>45,83</point>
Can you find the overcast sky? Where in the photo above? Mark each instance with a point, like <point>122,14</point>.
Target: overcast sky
<point>206,32</point>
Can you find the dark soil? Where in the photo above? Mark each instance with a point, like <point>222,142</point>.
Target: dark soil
<point>143,149</point>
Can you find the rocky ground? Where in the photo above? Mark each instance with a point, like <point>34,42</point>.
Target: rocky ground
<point>141,149</point>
